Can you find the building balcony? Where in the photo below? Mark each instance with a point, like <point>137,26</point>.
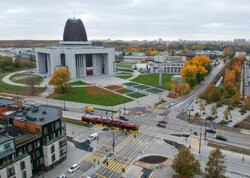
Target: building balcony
<point>9,161</point>
<point>7,153</point>
<point>27,137</point>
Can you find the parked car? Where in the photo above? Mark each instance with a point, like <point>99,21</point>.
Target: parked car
<point>124,118</point>
<point>219,137</point>
<point>172,104</point>
<point>161,125</point>
<point>167,106</point>
<point>163,122</point>
<point>185,134</point>
<point>211,130</point>
<point>73,168</point>
<point>93,136</point>
<point>62,176</point>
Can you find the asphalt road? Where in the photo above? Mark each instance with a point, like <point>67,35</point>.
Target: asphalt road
<point>247,78</point>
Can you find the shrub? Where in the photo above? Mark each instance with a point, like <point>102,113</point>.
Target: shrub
<point>223,122</point>
<point>196,114</point>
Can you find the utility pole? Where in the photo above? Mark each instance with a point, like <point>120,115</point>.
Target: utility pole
<point>160,77</point>
<point>64,103</point>
<point>113,134</point>
<point>205,134</point>
<point>200,141</point>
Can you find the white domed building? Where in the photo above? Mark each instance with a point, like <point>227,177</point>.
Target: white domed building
<point>76,53</point>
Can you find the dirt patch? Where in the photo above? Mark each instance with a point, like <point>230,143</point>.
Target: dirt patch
<point>167,163</point>
<point>134,113</point>
<point>154,159</point>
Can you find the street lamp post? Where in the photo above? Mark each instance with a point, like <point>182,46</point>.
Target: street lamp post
<point>113,134</point>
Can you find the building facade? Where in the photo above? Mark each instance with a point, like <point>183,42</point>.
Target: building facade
<point>38,138</point>
<point>75,53</point>
<point>167,67</point>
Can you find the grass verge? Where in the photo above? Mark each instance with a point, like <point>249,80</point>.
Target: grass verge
<point>130,84</point>
<point>91,95</point>
<point>76,122</point>
<point>230,148</point>
<point>154,90</point>
<point>107,110</point>
<point>172,143</point>
<point>78,83</point>
<point>153,80</point>
<point>141,87</point>
<point>124,90</point>
<point>136,95</point>
<point>124,77</point>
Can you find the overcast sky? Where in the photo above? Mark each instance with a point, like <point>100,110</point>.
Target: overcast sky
<point>127,19</point>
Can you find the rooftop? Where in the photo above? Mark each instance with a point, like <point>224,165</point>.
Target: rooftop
<point>5,138</point>
<point>5,102</point>
<point>40,115</point>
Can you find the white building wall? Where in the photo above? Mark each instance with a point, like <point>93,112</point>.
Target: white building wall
<point>17,168</point>
<point>47,155</point>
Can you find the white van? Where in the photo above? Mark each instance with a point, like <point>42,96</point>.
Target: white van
<point>93,136</point>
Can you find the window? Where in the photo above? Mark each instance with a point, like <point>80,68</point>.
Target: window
<point>29,147</point>
<point>24,174</point>
<point>41,161</point>
<point>6,146</point>
<point>57,125</point>
<point>38,144</point>
<point>63,151</point>
<point>10,172</point>
<point>63,60</point>
<point>22,165</point>
<point>62,143</point>
<point>59,133</point>
<point>47,138</point>
<point>37,153</point>
<point>53,157</point>
<point>20,152</point>
<point>52,149</point>
<point>45,130</point>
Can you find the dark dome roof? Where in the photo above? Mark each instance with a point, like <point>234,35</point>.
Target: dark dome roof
<point>74,31</point>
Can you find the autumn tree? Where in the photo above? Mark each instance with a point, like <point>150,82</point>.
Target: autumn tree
<point>228,52</point>
<point>189,73</point>
<point>60,79</point>
<point>237,97</point>
<point>30,82</point>
<point>226,114</point>
<point>215,165</point>
<point>185,163</point>
<point>229,77</point>
<point>202,107</point>
<point>214,110</point>
<point>211,94</point>
<point>180,87</point>
<point>247,102</point>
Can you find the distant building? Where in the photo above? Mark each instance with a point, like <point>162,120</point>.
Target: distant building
<point>75,53</point>
<point>238,53</point>
<point>36,141</point>
<point>165,57</point>
<point>167,67</point>
<point>7,105</point>
<point>136,59</point>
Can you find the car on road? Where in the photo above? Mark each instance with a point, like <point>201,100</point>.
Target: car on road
<point>62,176</point>
<point>185,134</point>
<point>92,137</point>
<point>172,104</point>
<point>211,130</point>
<point>167,106</point>
<point>219,137</point>
<point>73,168</point>
<point>124,118</point>
<point>163,122</point>
<point>161,125</point>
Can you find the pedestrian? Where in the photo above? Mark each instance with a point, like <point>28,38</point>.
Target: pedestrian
<point>98,162</point>
<point>126,133</point>
<point>243,159</point>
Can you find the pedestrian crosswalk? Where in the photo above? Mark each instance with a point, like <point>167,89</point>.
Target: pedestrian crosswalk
<point>116,166</point>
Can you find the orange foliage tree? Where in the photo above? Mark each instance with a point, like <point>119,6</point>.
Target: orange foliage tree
<point>180,87</point>
<point>230,77</point>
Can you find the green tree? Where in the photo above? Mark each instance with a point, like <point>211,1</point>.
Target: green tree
<point>185,163</point>
<point>211,94</point>
<point>30,81</point>
<point>215,167</point>
<point>60,79</point>
<point>17,63</point>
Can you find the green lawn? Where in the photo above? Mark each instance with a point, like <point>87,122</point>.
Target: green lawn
<point>22,78</point>
<point>130,84</point>
<point>91,95</point>
<point>125,73</point>
<point>153,80</point>
<point>124,90</point>
<point>114,87</point>
<point>154,90</point>
<point>78,83</point>
<point>124,77</point>
<point>136,95</point>
<point>141,87</point>
<point>4,87</point>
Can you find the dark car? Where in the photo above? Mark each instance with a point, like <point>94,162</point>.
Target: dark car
<point>211,131</point>
<point>161,125</point>
<point>124,118</point>
<point>163,122</point>
<point>219,137</point>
